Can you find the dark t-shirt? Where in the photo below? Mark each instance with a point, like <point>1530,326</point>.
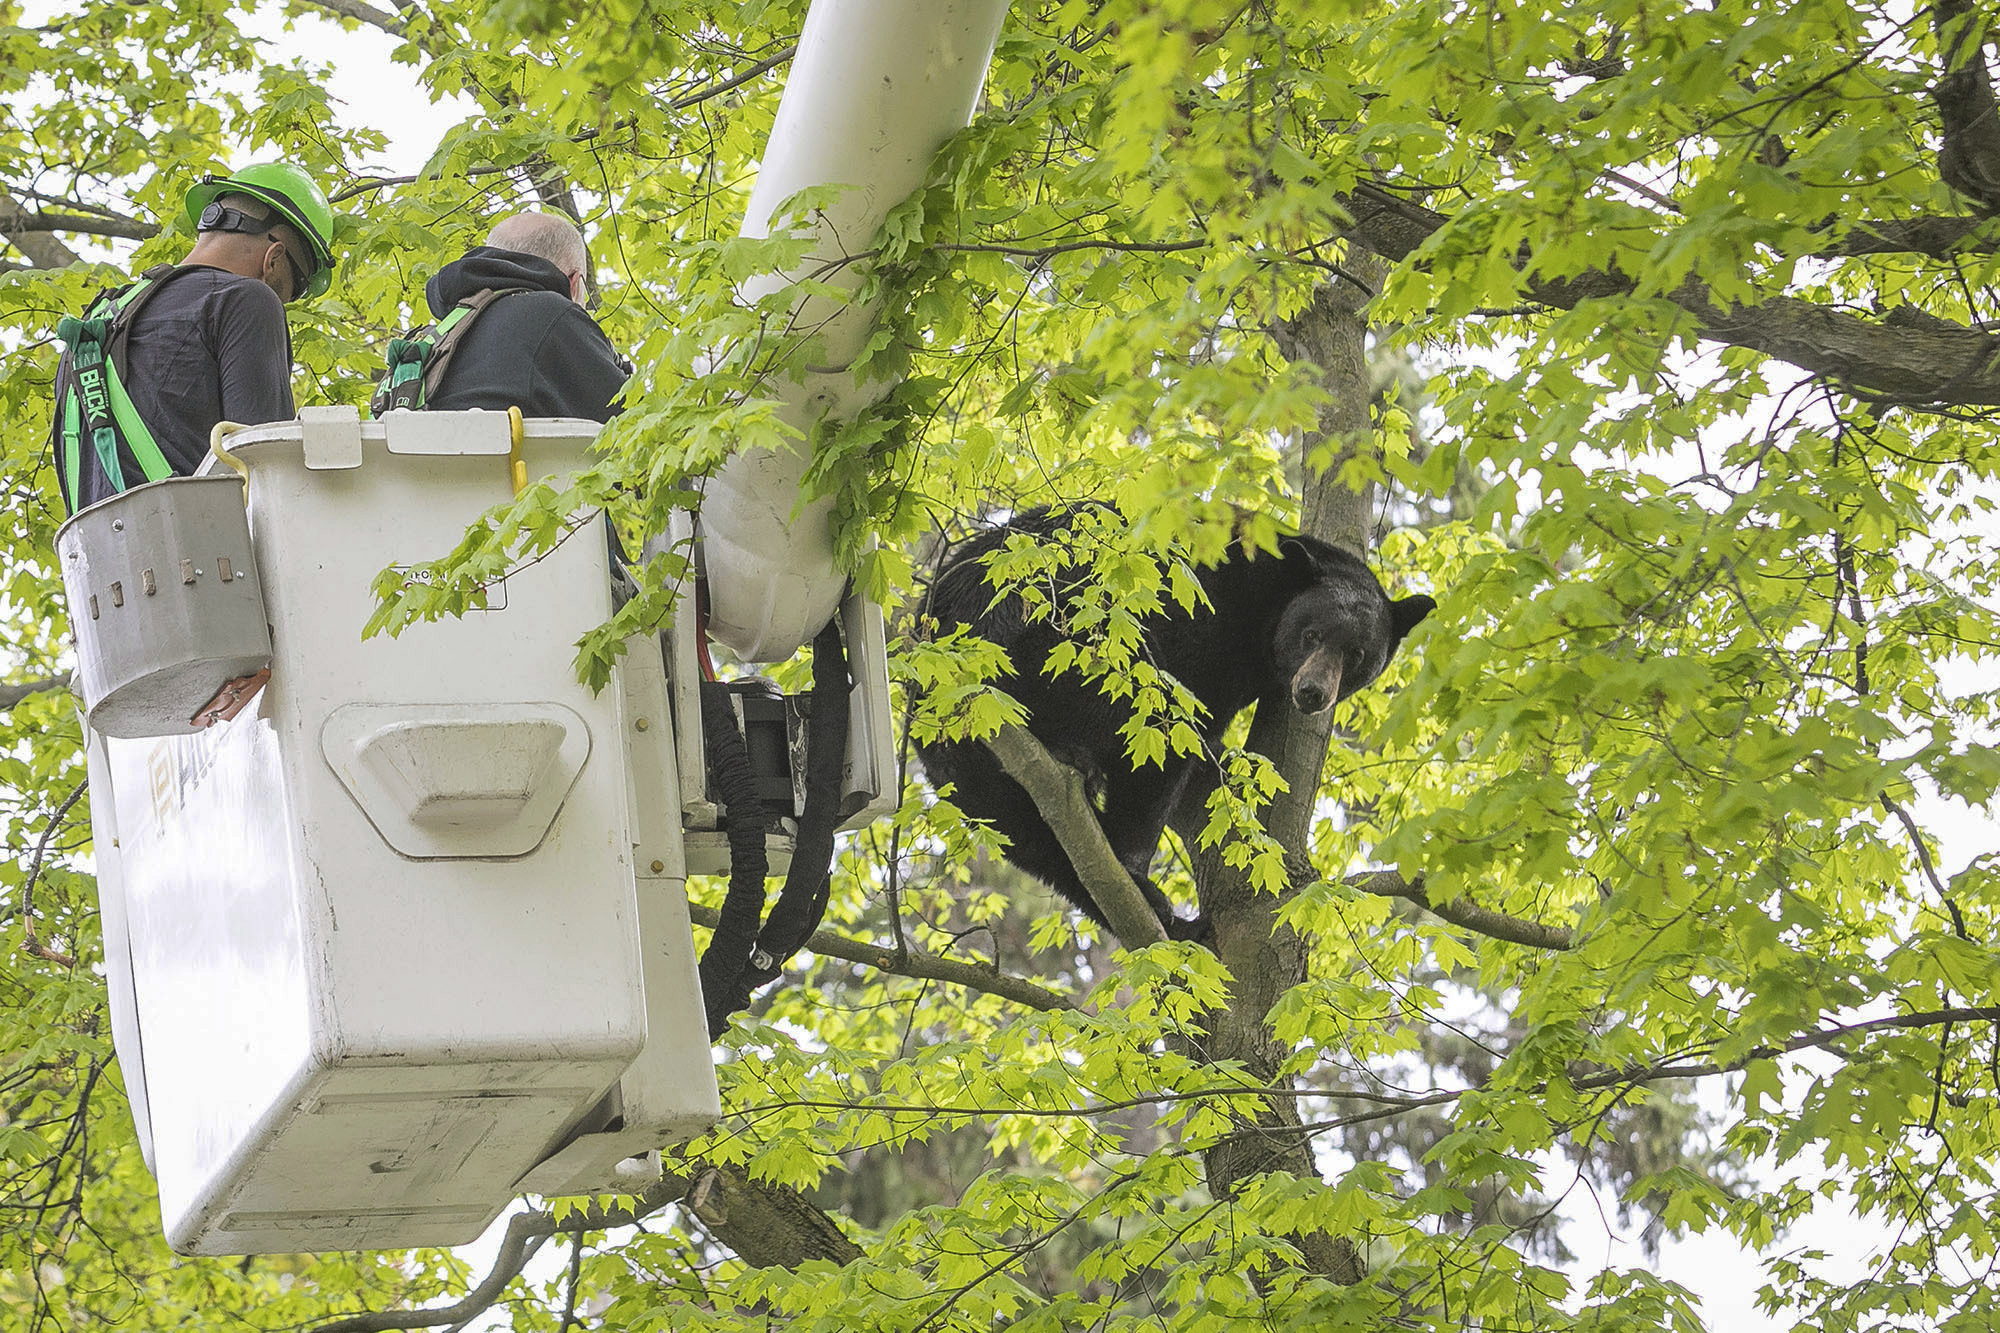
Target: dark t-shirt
<point>210,346</point>
<point>535,349</point>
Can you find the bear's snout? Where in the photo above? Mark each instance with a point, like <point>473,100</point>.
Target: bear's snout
<point>1316,684</point>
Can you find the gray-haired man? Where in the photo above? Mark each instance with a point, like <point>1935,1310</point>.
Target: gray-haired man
<point>534,347</point>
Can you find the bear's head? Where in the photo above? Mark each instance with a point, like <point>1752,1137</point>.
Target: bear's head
<point>1338,629</point>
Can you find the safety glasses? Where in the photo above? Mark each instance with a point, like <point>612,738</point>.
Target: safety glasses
<point>300,276</point>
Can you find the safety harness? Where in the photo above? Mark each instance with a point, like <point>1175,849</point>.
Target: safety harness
<point>94,406</point>
<point>417,360</point>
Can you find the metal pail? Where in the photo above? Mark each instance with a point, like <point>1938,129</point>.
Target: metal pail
<point>164,602</point>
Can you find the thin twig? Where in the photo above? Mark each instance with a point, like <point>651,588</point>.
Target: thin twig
<point>700,95</point>
<point>1065,247</point>
<point>573,1283</point>
<point>32,942</point>
<point>1387,1105</point>
<point>1821,1039</point>
<point>1924,861</point>
<point>369,184</point>
<point>920,965</point>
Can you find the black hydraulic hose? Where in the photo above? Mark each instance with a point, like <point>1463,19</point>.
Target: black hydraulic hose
<point>735,935</point>
<point>802,903</point>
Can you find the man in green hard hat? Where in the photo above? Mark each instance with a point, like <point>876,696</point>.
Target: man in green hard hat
<point>151,367</point>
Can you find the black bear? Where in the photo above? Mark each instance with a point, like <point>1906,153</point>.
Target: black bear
<point>1310,625</point>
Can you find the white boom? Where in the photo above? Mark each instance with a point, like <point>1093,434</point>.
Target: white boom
<point>876,87</point>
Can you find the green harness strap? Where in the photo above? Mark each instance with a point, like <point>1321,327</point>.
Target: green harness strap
<point>72,456</point>
<point>406,373</point>
<point>96,401</point>
<point>417,361</point>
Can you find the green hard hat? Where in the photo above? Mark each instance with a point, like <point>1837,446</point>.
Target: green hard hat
<point>288,189</point>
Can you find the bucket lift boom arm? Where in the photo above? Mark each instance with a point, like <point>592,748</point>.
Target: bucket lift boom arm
<point>877,86</point>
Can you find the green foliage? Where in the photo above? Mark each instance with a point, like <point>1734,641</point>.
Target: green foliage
<point>1716,640</point>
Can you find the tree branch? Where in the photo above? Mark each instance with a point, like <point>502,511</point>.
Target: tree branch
<point>1026,251</point>
<point>1103,1108</point>
<point>525,1233</point>
<point>361,12</point>
<point>42,250</point>
<point>547,180</point>
<point>66,202</point>
<point>574,1284</point>
<point>1058,793</point>
<point>1934,237</point>
<point>554,189</point>
<point>920,965</point>
<point>1591,1078</point>
<point>1462,911</point>
<point>32,939</point>
<point>1632,1075</point>
<point>765,1225</point>
<point>82,224</point>
<point>369,184</point>
<point>717,89</point>
<point>1969,155</point>
<point>1818,1040</point>
<point>1936,363</point>
<point>19,690</point>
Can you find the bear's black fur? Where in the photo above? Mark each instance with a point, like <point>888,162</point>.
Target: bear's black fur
<point>1310,624</point>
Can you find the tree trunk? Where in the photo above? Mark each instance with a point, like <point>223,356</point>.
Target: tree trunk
<point>1265,959</point>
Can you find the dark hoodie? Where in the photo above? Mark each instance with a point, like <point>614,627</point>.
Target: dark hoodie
<point>536,350</point>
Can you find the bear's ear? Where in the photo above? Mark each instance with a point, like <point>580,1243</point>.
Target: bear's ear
<point>1405,613</point>
<point>1298,559</point>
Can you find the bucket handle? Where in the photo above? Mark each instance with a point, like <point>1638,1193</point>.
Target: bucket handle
<point>517,467</point>
<point>223,430</point>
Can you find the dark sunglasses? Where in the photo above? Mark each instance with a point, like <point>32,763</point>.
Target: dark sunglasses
<point>300,276</point>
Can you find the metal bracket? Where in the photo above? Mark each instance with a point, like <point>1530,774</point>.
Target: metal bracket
<point>331,436</point>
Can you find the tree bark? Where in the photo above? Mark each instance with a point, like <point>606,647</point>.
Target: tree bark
<point>766,1226</point>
